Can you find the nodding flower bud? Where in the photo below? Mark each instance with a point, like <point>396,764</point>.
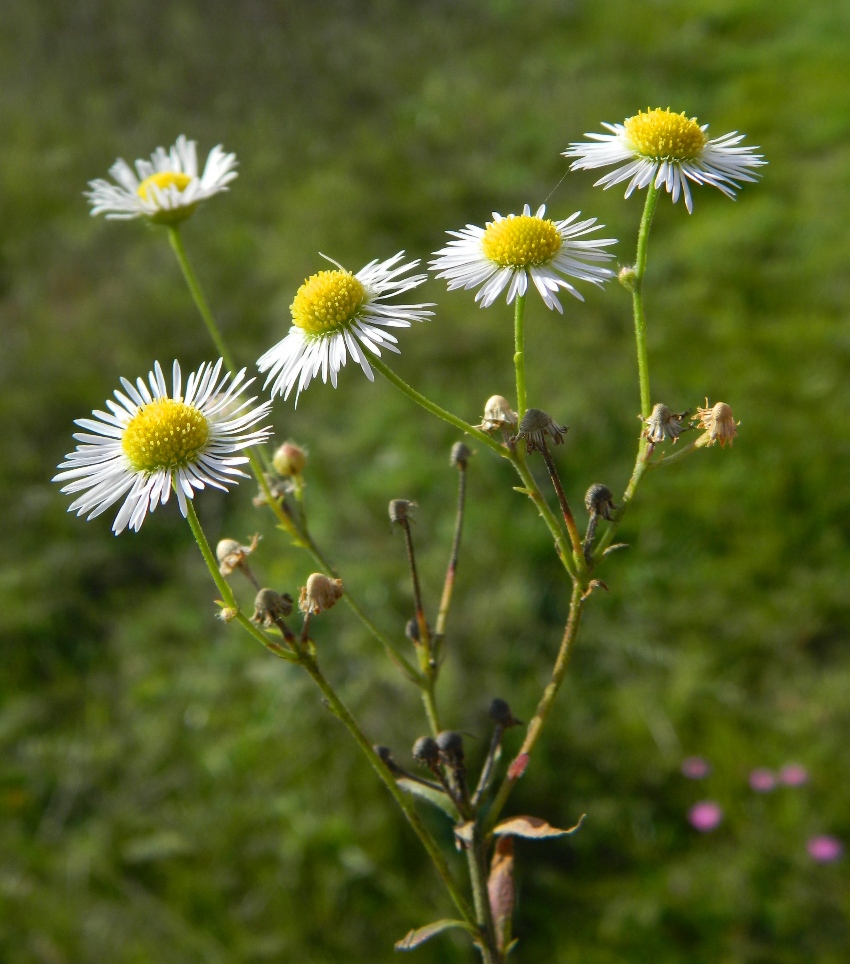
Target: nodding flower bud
<point>425,750</point>
<point>231,555</point>
<point>450,745</point>
<point>460,455</point>
<point>499,712</point>
<point>535,426</point>
<point>599,501</point>
<point>270,606</point>
<point>289,459</point>
<point>411,630</point>
<point>663,424</point>
<point>626,277</point>
<point>399,510</point>
<point>718,422</point>
<point>498,414</point>
<point>320,593</point>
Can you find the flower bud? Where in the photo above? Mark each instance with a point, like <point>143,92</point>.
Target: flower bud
<point>231,555</point>
<point>460,455</point>
<point>498,414</point>
<point>320,593</point>
<point>718,422</point>
<point>227,613</point>
<point>663,424</point>
<point>535,426</point>
<point>626,277</point>
<point>450,745</point>
<point>599,501</point>
<point>425,750</point>
<point>289,459</point>
<point>270,606</point>
<point>499,712</point>
<point>399,510</point>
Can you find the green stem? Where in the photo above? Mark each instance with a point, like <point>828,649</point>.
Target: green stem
<point>519,353</point>
<point>403,799</point>
<point>435,409</point>
<point>544,707</point>
<point>176,240</point>
<point>476,859</point>
<point>451,569</point>
<point>682,452</point>
<point>637,298</point>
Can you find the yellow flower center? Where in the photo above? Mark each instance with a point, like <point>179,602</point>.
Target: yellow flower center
<point>521,241</point>
<point>327,301</point>
<point>663,135</point>
<point>165,434</point>
<point>162,180</point>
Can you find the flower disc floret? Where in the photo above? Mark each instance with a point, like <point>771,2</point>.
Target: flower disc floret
<point>162,181</point>
<point>663,134</point>
<point>166,434</point>
<point>327,302</point>
<point>521,241</point>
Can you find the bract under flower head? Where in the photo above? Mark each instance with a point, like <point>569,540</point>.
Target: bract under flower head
<point>508,251</point>
<point>669,149</point>
<point>167,188</point>
<point>335,313</point>
<point>150,442</point>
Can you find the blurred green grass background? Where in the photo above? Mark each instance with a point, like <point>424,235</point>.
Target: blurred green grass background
<point>167,792</point>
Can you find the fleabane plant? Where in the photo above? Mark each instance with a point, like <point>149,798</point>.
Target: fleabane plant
<point>155,440</point>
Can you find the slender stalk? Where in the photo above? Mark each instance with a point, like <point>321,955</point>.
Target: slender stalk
<point>435,409</point>
<point>544,707</point>
<point>519,353</point>
<point>637,298</point>
<point>403,799</point>
<point>476,859</point>
<point>489,763</point>
<point>567,513</point>
<point>176,241</point>
<point>451,569</point>
<point>682,452</point>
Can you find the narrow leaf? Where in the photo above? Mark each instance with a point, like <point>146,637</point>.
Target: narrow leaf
<point>532,827</point>
<point>434,797</point>
<point>418,937</point>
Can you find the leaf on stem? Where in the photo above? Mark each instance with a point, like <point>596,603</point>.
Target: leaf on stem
<point>418,937</point>
<point>532,827</point>
<point>501,891</point>
<point>434,797</point>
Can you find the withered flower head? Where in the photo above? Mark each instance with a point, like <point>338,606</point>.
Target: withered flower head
<point>535,426</point>
<point>460,455</point>
<point>663,424</point>
<point>320,593</point>
<point>289,459</point>
<point>450,744</point>
<point>718,422</point>
<point>425,750</point>
<point>498,414</point>
<point>269,606</point>
<point>231,555</point>
<point>599,501</point>
<point>399,510</point>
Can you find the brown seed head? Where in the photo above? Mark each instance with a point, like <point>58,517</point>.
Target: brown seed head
<point>231,555</point>
<point>535,425</point>
<point>400,509</point>
<point>269,606</point>
<point>498,414</point>
<point>718,422</point>
<point>460,455</point>
<point>663,424</point>
<point>425,750</point>
<point>599,501</point>
<point>320,593</point>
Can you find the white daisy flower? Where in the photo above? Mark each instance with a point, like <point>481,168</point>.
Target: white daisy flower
<point>336,313</point>
<point>508,251</point>
<point>670,149</point>
<point>150,442</point>
<point>166,188</point>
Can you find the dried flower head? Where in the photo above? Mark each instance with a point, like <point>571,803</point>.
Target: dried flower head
<point>231,555</point>
<point>535,426</point>
<point>500,712</point>
<point>320,593</point>
<point>289,459</point>
<point>498,414</point>
<point>663,424</point>
<point>460,455</point>
<point>718,422</point>
<point>450,745</point>
<point>399,510</point>
<point>270,606</point>
<point>599,501</point>
<point>425,750</point>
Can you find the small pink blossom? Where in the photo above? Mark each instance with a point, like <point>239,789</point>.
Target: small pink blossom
<point>705,816</point>
<point>695,767</point>
<point>824,849</point>
<point>793,775</point>
<point>762,780</point>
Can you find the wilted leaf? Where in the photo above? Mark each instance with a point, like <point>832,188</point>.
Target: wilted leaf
<point>418,937</point>
<point>432,796</point>
<point>532,827</point>
<point>464,831</point>
<point>500,889</point>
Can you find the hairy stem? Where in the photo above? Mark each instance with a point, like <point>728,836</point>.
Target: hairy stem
<point>566,511</point>
<point>519,353</point>
<point>637,298</point>
<point>477,860</point>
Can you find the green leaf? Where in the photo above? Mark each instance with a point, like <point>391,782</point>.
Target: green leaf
<point>434,797</point>
<point>418,937</point>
